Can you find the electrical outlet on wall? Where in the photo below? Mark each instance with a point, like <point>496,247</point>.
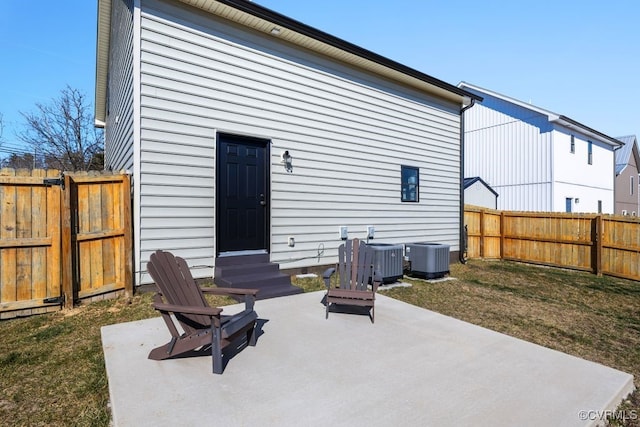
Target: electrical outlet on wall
<point>344,233</point>
<point>371,231</point>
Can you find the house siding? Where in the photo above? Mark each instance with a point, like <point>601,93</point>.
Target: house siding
<point>119,135</point>
<point>510,148</point>
<point>575,178</point>
<point>525,157</point>
<point>477,194</point>
<point>627,198</point>
<point>349,132</point>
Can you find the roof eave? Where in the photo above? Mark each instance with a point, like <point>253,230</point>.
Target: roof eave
<point>570,123</point>
<point>102,61</point>
<point>551,116</point>
<point>294,32</point>
<point>325,38</point>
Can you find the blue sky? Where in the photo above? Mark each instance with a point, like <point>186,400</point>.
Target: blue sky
<point>576,58</point>
<point>44,45</point>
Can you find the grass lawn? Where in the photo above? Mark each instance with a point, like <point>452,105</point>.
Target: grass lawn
<point>52,366</point>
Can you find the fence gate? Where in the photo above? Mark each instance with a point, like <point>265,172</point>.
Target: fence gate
<point>62,239</point>
<point>30,279</point>
<point>96,224</point>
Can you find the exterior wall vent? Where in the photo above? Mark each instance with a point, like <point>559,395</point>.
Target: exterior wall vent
<point>429,260</point>
<point>387,259</point>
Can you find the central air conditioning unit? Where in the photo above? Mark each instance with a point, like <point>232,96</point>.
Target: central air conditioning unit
<point>387,259</point>
<point>428,260</point>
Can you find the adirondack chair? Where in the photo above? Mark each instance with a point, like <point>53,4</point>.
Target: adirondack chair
<point>355,274</point>
<point>179,297</point>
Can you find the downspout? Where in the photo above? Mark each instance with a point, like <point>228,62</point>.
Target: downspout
<point>463,237</point>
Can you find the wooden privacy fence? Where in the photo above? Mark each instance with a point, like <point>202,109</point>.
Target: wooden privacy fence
<point>63,238</point>
<point>602,244</point>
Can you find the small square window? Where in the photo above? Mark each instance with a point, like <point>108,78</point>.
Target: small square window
<point>573,144</point>
<point>410,184</point>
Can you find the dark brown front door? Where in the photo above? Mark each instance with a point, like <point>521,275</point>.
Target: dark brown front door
<point>242,193</point>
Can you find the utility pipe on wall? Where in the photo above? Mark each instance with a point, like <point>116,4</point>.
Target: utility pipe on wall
<point>462,251</point>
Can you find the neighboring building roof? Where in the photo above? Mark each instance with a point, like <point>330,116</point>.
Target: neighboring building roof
<point>274,24</point>
<point>468,182</point>
<point>552,117</point>
<point>623,155</point>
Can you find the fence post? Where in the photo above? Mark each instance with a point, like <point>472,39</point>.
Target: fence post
<point>502,235</point>
<point>597,238</point>
<point>66,246</point>
<point>481,242</point>
<point>128,240</point>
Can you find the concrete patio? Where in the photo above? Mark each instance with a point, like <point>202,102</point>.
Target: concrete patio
<point>412,367</point>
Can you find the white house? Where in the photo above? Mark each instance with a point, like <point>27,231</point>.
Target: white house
<point>535,159</point>
<point>247,132</point>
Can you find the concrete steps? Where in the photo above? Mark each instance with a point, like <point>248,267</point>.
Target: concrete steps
<point>253,271</point>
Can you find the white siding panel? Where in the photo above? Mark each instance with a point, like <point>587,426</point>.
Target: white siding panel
<point>535,198</point>
<point>585,199</point>
<point>348,132</point>
<point>574,177</point>
<point>479,195</point>
<point>511,151</point>
<point>119,137</point>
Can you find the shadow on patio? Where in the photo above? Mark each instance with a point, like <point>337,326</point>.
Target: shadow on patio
<point>413,366</point>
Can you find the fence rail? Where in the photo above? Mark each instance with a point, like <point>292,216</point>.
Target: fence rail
<point>602,244</point>
<point>63,238</point>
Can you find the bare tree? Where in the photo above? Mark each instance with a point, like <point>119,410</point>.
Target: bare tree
<point>21,161</point>
<point>64,134</point>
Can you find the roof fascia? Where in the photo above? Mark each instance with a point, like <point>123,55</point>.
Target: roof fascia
<point>103,35</point>
<point>572,124</point>
<point>551,116</point>
<point>247,8</point>
<point>318,35</point>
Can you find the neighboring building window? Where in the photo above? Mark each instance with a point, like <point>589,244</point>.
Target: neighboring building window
<point>599,206</point>
<point>573,144</point>
<point>568,202</point>
<point>631,187</point>
<point>590,153</point>
<point>410,177</point>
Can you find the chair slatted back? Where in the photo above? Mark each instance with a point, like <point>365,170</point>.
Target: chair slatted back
<point>177,286</point>
<point>355,263</point>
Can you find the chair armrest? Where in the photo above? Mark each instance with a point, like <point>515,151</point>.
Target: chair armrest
<point>249,294</point>
<point>171,308</point>
<point>326,276</point>
<point>230,291</point>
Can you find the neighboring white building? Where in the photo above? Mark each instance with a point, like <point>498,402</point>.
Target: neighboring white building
<point>203,101</point>
<point>535,159</point>
<point>479,193</point>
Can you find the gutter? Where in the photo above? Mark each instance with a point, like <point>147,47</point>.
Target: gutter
<point>463,239</point>
<point>568,122</point>
<point>323,37</point>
